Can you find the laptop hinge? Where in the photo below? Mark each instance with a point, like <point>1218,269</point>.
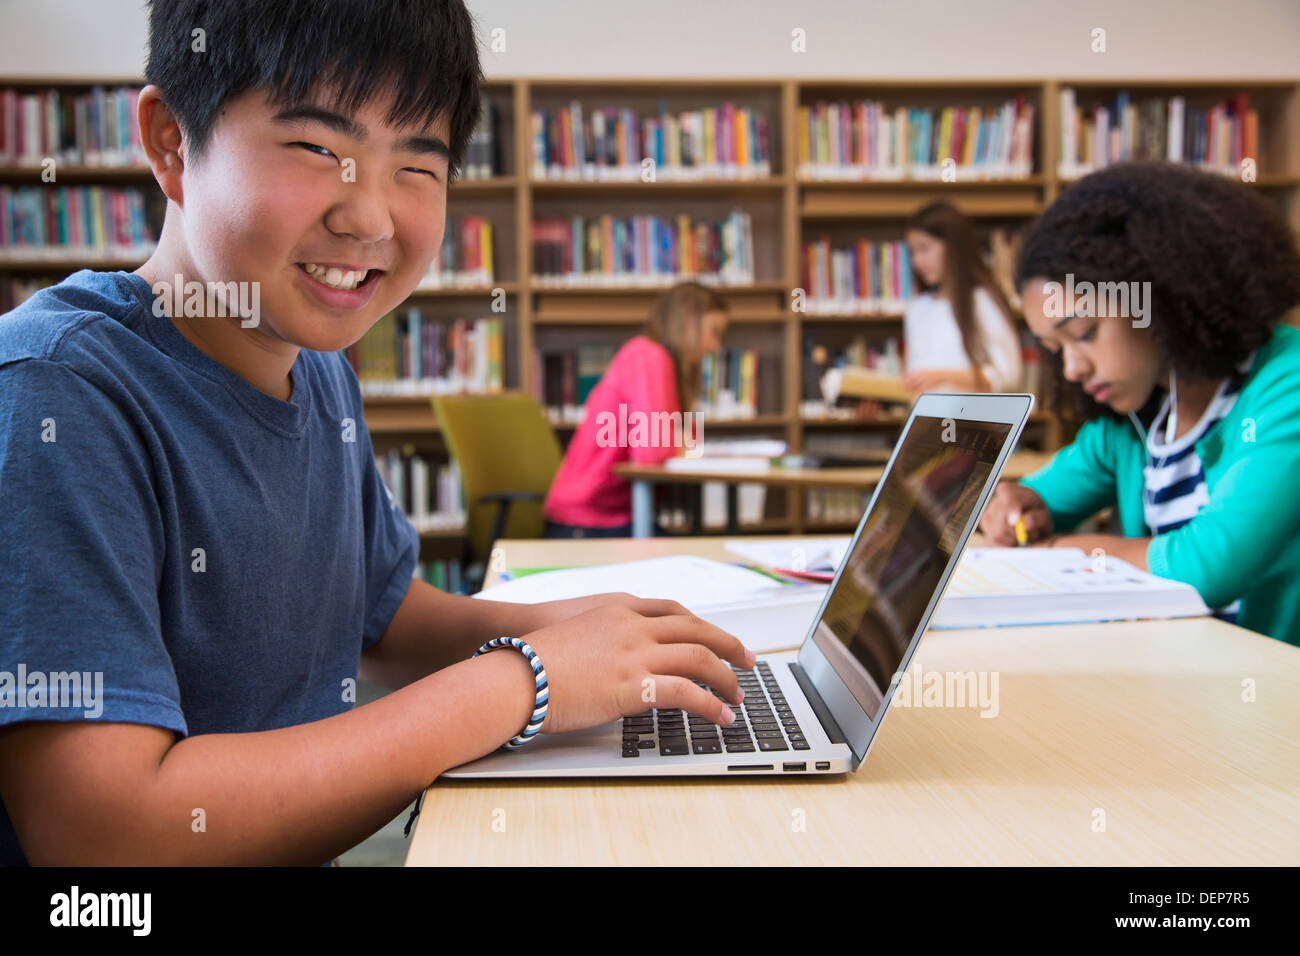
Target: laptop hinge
<point>818,705</point>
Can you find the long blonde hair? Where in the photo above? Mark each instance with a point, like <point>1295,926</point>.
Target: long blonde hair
<point>677,314</point>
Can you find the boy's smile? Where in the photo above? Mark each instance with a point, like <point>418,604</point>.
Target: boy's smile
<point>336,216</point>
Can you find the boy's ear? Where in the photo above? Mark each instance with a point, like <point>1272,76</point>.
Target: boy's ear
<point>162,140</point>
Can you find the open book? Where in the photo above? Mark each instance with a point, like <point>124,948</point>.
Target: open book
<point>854,382</point>
<point>992,587</point>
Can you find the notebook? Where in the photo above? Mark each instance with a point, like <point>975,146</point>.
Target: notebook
<point>995,587</point>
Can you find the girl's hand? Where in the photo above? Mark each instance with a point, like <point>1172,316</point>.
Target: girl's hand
<point>1012,501</point>
<point>610,661</point>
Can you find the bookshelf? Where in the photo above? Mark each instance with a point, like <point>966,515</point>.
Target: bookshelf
<point>788,203</point>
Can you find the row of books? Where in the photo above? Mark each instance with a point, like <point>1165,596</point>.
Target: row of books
<point>562,380</point>
<point>864,277</point>
<point>729,384</point>
<point>834,505</point>
<point>97,128</point>
<point>612,143</point>
<point>425,490</point>
<point>56,222</point>
<point>643,249</point>
<point>1219,136</point>
<point>869,140</point>
<point>818,357</point>
<point>465,258</point>
<point>729,381</point>
<point>412,354</point>
<point>444,575</point>
<point>482,159</point>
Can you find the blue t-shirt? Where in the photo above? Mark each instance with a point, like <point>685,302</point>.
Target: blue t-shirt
<point>219,556</point>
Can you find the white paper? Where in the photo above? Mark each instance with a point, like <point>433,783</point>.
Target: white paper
<point>691,581</point>
<point>798,554</point>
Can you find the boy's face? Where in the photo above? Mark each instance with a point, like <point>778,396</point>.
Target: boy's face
<point>278,192</point>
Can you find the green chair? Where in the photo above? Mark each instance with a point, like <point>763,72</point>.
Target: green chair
<point>507,455</point>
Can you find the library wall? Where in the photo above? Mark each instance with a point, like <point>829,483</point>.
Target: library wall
<point>881,38</point>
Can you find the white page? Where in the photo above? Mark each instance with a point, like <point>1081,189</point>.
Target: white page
<point>818,554</point>
<point>1013,571</point>
<point>689,580</point>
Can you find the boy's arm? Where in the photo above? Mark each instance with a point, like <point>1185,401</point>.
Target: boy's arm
<point>115,793</point>
<point>112,793</point>
<point>432,629</point>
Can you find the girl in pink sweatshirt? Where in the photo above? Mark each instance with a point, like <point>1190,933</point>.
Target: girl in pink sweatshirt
<point>653,379</point>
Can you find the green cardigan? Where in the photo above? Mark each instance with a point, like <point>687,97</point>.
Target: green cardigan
<point>1245,543</point>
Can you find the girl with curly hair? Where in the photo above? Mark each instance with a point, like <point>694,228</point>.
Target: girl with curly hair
<point>1165,299</point>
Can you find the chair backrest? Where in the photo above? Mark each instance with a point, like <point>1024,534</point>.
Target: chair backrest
<point>501,443</point>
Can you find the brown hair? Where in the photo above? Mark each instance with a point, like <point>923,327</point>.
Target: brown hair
<point>964,271</point>
<point>673,316</point>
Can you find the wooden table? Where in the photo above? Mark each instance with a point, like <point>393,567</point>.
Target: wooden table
<point>645,477</point>
<point>1124,744</point>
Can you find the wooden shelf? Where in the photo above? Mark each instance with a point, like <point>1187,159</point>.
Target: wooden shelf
<point>850,317</point>
<point>70,265</point>
<point>463,292</point>
<point>788,208</point>
<point>127,175</point>
<point>867,185</point>
<point>852,202</point>
<point>712,187</point>
<point>545,288</point>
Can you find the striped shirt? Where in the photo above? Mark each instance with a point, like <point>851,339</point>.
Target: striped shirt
<point>1174,489</point>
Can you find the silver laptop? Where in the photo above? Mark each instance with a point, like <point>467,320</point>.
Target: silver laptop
<point>820,713</point>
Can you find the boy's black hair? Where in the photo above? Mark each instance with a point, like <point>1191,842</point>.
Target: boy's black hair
<point>421,53</point>
<point>1222,263</point>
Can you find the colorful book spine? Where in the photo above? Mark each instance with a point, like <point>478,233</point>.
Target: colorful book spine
<point>413,354</point>
<point>1220,137</point>
<point>608,143</point>
<point>95,128</point>
<point>642,250</point>
<point>871,140</point>
<point>43,223</point>
<point>865,277</point>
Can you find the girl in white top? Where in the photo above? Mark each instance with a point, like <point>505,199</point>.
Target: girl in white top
<point>958,335</point>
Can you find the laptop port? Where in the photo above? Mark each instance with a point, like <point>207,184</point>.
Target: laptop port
<point>823,765</point>
<point>749,766</point>
<point>794,767</point>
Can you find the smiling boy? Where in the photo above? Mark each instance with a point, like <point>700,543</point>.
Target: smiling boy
<point>192,504</point>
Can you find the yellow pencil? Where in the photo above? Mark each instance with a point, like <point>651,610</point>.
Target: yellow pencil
<point>1022,535</point>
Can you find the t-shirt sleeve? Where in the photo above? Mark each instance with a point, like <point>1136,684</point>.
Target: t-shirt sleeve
<point>392,549</point>
<point>1079,480</point>
<point>1003,370</point>
<point>651,384</point>
<point>80,557</point>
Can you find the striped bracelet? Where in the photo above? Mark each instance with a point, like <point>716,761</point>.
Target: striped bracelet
<point>543,693</point>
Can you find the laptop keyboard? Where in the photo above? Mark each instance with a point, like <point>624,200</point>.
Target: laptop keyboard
<point>764,722</point>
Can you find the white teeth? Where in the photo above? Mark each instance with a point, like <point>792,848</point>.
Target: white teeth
<point>334,276</point>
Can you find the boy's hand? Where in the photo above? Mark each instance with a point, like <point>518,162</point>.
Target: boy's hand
<point>611,661</point>
<point>553,612</point>
<point>1012,501</point>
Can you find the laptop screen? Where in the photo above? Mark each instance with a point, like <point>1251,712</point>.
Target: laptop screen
<point>903,549</point>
